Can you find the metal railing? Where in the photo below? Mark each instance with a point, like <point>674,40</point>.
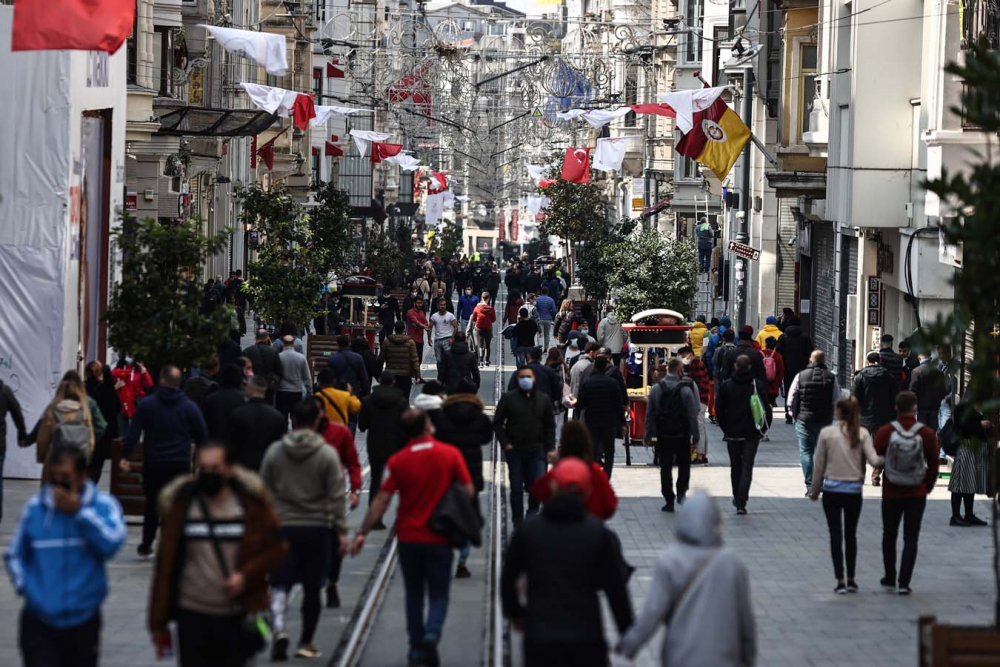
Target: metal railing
<point>980,19</point>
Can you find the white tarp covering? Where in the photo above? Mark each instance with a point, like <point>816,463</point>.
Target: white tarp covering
<point>33,227</point>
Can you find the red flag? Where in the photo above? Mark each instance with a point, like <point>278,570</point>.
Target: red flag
<point>655,109</point>
<point>87,25</point>
<point>439,182</point>
<point>333,151</point>
<point>546,182</point>
<point>576,165</point>
<point>501,226</point>
<point>381,151</point>
<point>304,109</point>
<point>334,72</point>
<point>253,152</point>
<point>412,87</point>
<point>266,153</point>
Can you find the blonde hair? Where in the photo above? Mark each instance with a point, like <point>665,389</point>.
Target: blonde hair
<point>567,305</point>
<point>71,388</point>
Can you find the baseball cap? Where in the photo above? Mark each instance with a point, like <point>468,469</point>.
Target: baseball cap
<point>572,474</point>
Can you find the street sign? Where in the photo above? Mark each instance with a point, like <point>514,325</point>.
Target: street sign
<point>744,251</point>
<point>876,338</point>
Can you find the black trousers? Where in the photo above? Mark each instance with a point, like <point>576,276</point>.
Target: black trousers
<point>155,476</point>
<point>848,505</point>
<point>741,457</point>
<point>405,385</point>
<point>671,453</point>
<point>604,445</point>
<point>205,640</point>
<point>377,465</point>
<point>552,654</point>
<point>770,403</point>
<point>911,512</point>
<point>307,563</point>
<point>102,450</point>
<point>45,646</point>
<point>286,401</point>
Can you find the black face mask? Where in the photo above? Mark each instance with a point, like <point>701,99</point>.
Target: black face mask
<point>210,483</point>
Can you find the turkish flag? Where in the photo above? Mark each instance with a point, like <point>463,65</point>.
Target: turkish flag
<point>439,182</point>
<point>381,151</point>
<point>576,165</point>
<point>304,109</point>
<point>655,109</point>
<point>334,72</point>
<point>266,153</point>
<point>86,25</point>
<point>333,151</point>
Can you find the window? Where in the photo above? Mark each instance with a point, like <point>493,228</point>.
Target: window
<point>692,16</point>
<point>162,60</point>
<point>133,52</point>
<point>687,169</point>
<point>315,167</point>
<point>807,87</point>
<point>469,26</point>
<point>979,18</point>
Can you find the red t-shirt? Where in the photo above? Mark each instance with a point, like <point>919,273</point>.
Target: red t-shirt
<point>339,437</point>
<point>890,490</point>
<point>422,472</point>
<point>416,320</point>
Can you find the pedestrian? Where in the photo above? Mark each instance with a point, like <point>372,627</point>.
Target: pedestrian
<point>770,330</point>
<point>910,359</point>
<point>600,402</point>
<point>306,479</point>
<point>744,346</point>
<point>794,346</point>
<point>893,363</point>
<point>482,321</point>
<point>875,390</point>
<point>970,474</point>
<point>562,398</point>
<point>726,345</point>
<point>459,363</point>
<point>349,368</point>
<point>563,323</point>
<point>531,281</point>
<point>387,307</point>
<point>9,405</point>
<point>525,331</point>
<point>254,425</point>
<point>611,335</point>
<point>296,378</point>
<point>696,371</point>
<point>422,472</point>
<point>839,472</point>
<point>525,427</point>
<point>220,541</point>
<point>546,314</point>
<point>417,326</point>
<point>201,386</point>
<point>672,425</point>
<point>706,243</point>
<point>574,441</point>
<point>398,353</point>
<point>264,359</point>
<point>220,405</point>
<point>582,368</point>
<point>491,283</point>
<point>72,419</point>
<point>697,335</point>
<point>774,371</point>
<point>512,280</point>
<point>56,559</point>
<point>100,387</point>
<point>930,385</point>
<point>132,381</point>
<point>444,325</point>
<point>910,450</point>
<point>586,322</point>
<point>739,429</point>
<point>422,286</point>
<point>566,556</point>
<point>554,287</point>
<point>167,423</point>
<point>381,417</point>
<point>342,406</point>
<point>360,347</point>
<point>698,583</point>
<point>463,424</point>
<point>786,318</point>
<point>512,311</point>
<point>467,303</point>
<point>812,397</point>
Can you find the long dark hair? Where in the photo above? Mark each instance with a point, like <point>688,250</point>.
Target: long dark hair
<point>850,420</point>
<point>575,441</point>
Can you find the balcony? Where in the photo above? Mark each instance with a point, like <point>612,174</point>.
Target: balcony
<point>980,19</point>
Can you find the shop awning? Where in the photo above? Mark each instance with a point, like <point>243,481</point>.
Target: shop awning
<point>207,122</point>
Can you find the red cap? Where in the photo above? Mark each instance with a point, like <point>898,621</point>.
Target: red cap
<point>572,473</point>
<point>747,328</point>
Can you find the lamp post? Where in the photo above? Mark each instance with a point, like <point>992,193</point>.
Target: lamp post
<point>743,216</point>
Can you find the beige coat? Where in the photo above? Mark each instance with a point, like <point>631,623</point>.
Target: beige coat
<point>67,410</point>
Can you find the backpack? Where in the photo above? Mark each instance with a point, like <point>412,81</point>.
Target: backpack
<point>770,368</point>
<point>904,457</point>
<point>673,418</point>
<point>71,433</point>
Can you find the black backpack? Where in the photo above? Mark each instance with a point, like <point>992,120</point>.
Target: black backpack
<point>672,421</point>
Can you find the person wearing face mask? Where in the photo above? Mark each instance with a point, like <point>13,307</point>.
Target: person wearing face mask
<point>220,541</point>
<point>56,562</point>
<point>422,285</point>
<point>388,313</point>
<point>466,305</point>
<point>525,426</point>
<point>131,381</point>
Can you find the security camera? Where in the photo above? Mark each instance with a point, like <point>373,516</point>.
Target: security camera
<point>791,241</point>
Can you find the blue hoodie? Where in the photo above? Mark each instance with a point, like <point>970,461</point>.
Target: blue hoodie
<point>713,342</point>
<point>467,304</point>
<point>56,560</point>
<point>167,422</point>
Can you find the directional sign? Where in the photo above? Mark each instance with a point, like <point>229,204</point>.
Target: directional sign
<point>744,251</point>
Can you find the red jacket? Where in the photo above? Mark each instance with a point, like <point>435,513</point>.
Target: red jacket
<point>484,316</point>
<point>339,437</point>
<point>416,320</point>
<point>136,384</point>
<point>697,371</point>
<point>774,386</point>
<point>510,314</point>
<point>890,490</point>
<point>602,501</point>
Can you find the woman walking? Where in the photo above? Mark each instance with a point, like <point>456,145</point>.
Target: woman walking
<point>839,472</point>
<point>555,361</point>
<point>970,474</point>
<point>563,323</point>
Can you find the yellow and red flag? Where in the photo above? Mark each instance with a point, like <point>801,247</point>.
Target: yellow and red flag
<point>716,139</point>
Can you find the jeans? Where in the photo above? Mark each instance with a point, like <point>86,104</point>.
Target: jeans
<point>425,567</point>
<point>850,505</point>
<point>441,347</point>
<point>307,562</point>
<point>741,457</point>
<point>420,352</point>
<point>705,259</point>
<point>546,331</point>
<point>524,467</point>
<point>944,414</point>
<point>670,453</point>
<point>206,640</point>
<point>807,435</point>
<point>911,512</point>
<point>155,476</point>
<point>521,355</point>
<point>45,646</point>
<point>604,445</point>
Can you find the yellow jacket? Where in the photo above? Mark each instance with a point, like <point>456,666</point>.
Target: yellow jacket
<point>697,335</point>
<point>769,331</point>
<point>339,404</point>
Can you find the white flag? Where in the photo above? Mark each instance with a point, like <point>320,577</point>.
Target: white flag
<point>686,102</point>
<point>324,113</point>
<point>266,49</point>
<point>536,203</point>
<point>609,154</point>
<point>272,100</point>
<point>363,137</point>
<point>571,114</point>
<point>537,171</point>
<point>601,117</point>
<point>405,162</point>
<point>462,198</point>
<point>435,208</point>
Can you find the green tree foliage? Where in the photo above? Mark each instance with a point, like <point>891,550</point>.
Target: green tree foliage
<point>578,212</point>
<point>449,241</point>
<point>595,259</point>
<point>648,270</point>
<point>155,313</point>
<point>330,229</point>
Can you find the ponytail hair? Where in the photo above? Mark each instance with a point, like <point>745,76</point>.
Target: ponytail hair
<point>850,420</point>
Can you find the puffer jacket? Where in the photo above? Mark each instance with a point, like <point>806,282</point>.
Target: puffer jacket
<point>463,424</point>
<point>399,355</point>
<point>875,389</point>
<point>457,364</point>
<point>732,405</point>
<point>381,417</point>
<point>794,346</point>
<point>697,337</point>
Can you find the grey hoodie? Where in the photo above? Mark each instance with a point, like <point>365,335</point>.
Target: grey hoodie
<point>718,599</point>
<point>306,478</point>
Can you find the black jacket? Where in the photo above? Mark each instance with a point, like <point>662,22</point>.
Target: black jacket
<point>875,389</point>
<point>732,406</point>
<point>567,557</point>
<point>745,347</point>
<point>462,423</point>
<point>457,517</point>
<point>600,401</point>
<point>531,283</point>
<point>198,388</point>
<point>219,409</point>
<point>387,316</point>
<point>525,420</point>
<point>229,351</point>
<point>893,363</point>
<point>525,332</point>
<point>349,367</point>
<point>794,347</point>
<point>360,347</point>
<point>381,416</point>
<point>931,386</point>
<point>265,362</point>
<point>546,381</point>
<point>106,397</point>
<point>256,425</point>
<point>457,363</point>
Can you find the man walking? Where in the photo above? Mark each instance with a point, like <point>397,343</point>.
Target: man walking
<point>443,328</point>
<point>167,423</point>
<point>582,369</point>
<point>220,541</point>
<point>812,397</point>
<point>893,363</point>
<point>296,380</point>
<point>422,472</point>
<point>794,346</point>
<point>875,390</point>
<point>416,325</point>
<point>398,354</point>
<point>349,368</point>
<point>739,430</point>
<point>526,428</point>
<point>696,371</point>
<point>611,336</point>
<point>307,481</point>
<point>672,425</point>
<point>56,561</point>
<point>910,449</point>
<point>459,363</point>
<point>546,314</point>
<point>931,386</point>
<point>254,426</point>
<point>382,418</point>
<point>466,304</point>
<point>266,363</point>
<point>388,313</point>
<point>600,401</point>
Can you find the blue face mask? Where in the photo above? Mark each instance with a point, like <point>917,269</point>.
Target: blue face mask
<point>584,332</point>
<point>525,383</point>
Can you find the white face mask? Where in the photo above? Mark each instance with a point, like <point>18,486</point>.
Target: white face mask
<point>686,360</point>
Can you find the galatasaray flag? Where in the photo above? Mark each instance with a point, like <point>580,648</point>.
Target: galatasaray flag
<point>87,25</point>
<point>716,138</point>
